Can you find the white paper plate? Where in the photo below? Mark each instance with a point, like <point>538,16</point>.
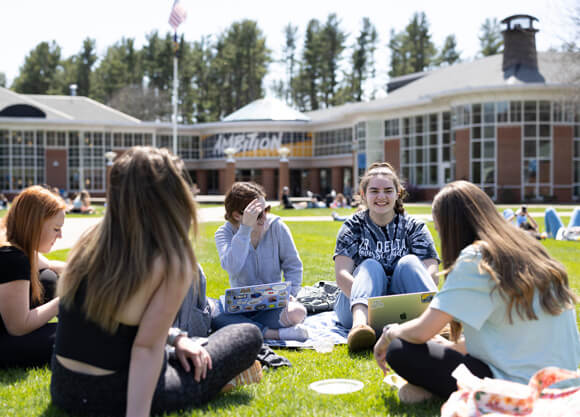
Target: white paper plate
<point>336,386</point>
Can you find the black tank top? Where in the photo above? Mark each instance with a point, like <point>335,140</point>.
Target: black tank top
<point>83,340</point>
<point>14,266</point>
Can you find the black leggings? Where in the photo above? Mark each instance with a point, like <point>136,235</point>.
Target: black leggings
<point>34,348</point>
<point>429,365</point>
<point>233,349</point>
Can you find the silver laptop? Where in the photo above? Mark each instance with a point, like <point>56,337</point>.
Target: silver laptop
<point>397,308</point>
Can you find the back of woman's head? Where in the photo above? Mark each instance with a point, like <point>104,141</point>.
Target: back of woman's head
<point>149,215</point>
<point>518,264</point>
<point>23,225</point>
<point>385,169</point>
<point>239,196</point>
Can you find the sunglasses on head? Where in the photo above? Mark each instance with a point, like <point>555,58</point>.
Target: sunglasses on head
<point>262,214</point>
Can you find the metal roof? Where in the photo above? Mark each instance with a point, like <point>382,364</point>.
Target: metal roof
<point>266,109</point>
<point>66,108</point>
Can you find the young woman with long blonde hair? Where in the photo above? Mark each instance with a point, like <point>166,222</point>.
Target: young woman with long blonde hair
<point>28,279</point>
<point>512,299</point>
<point>120,293</point>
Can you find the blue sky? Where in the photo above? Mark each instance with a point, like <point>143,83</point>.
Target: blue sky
<point>25,23</point>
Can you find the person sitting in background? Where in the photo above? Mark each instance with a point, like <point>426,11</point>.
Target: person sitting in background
<point>524,219</point>
<point>121,292</point>
<point>3,202</point>
<point>555,227</point>
<point>315,200</point>
<point>339,201</point>
<point>82,203</point>
<point>28,279</point>
<point>286,203</point>
<point>509,216</point>
<point>511,297</point>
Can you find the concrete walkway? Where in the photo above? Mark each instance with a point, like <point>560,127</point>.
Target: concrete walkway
<point>74,227</point>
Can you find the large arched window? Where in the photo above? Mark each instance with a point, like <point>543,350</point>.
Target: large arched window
<point>22,110</point>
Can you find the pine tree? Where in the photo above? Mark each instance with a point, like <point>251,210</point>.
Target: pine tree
<point>490,39</point>
<point>307,86</point>
<point>363,63</point>
<point>289,59</point>
<point>86,59</point>
<point>448,54</point>
<point>333,43</point>
<point>37,75</point>
<point>412,50</point>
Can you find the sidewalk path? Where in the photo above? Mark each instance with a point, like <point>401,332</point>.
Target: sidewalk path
<point>74,227</point>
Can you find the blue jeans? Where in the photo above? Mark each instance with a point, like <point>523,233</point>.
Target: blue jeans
<point>370,280</point>
<point>267,319</point>
<point>553,221</point>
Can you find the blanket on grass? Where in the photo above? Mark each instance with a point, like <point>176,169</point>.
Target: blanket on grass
<point>321,327</point>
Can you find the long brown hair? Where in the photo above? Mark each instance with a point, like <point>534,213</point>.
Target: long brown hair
<point>239,196</point>
<point>517,263</point>
<point>387,170</point>
<point>23,226</point>
<point>150,212</point>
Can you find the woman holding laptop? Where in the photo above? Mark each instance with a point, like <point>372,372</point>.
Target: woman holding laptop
<point>380,251</point>
<point>256,247</point>
<point>511,298</point>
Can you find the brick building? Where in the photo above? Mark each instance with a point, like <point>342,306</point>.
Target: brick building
<point>509,123</point>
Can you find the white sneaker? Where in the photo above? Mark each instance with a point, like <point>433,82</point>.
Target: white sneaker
<point>298,332</point>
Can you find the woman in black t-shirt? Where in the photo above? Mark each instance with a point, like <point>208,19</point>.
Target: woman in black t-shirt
<point>28,280</point>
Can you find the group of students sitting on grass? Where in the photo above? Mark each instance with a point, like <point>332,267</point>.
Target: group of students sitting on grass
<point>555,229</point>
<point>132,293</point>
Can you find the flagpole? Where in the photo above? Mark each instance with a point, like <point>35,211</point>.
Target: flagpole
<point>174,99</point>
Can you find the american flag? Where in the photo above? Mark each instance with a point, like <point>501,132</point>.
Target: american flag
<point>178,15</point>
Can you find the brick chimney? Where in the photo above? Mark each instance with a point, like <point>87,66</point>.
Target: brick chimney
<point>520,58</point>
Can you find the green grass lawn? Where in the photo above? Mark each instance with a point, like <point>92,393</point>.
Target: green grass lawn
<point>282,392</point>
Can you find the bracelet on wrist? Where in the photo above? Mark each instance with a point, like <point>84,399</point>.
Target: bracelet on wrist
<point>174,333</point>
<point>386,329</point>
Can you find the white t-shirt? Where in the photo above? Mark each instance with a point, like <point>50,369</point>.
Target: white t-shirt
<point>512,351</point>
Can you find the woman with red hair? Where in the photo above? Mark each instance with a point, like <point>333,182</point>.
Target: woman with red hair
<point>28,279</point>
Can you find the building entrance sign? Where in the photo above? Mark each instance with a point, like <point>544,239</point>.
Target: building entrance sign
<point>243,142</point>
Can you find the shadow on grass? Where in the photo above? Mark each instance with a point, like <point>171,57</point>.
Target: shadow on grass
<point>362,354</point>
<point>222,401</point>
<point>53,411</point>
<point>430,407</point>
<point>11,375</point>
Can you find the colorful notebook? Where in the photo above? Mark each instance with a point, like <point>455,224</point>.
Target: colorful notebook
<point>256,297</point>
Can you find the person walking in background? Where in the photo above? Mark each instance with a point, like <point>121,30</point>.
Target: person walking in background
<point>256,247</point>
<point>380,251</point>
<point>510,297</point>
<point>28,279</point>
<point>120,293</point>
